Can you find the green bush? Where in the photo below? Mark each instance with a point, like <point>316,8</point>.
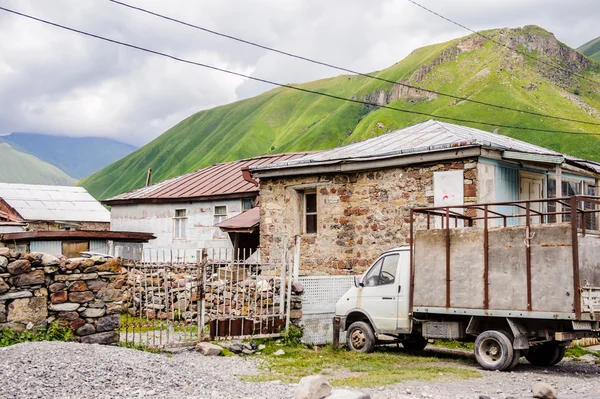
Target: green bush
<point>292,336</point>
<point>54,332</point>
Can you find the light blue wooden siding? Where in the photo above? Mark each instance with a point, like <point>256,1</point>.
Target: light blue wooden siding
<point>507,189</point>
<point>47,247</point>
<point>100,246</point>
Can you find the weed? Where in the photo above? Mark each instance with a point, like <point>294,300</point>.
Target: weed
<point>143,348</point>
<point>578,351</point>
<point>53,332</point>
<point>292,336</point>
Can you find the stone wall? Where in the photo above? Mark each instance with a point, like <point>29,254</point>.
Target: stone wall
<point>37,289</point>
<point>359,214</point>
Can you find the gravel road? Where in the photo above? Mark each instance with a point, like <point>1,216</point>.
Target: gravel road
<point>71,370</point>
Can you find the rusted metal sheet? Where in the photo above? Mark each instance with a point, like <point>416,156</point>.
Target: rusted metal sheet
<point>78,234</point>
<point>218,180</point>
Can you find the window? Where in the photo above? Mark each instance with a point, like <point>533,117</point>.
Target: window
<point>179,224</point>
<point>310,212</point>
<point>383,272</point>
<point>220,215</point>
<point>247,204</point>
<point>570,187</point>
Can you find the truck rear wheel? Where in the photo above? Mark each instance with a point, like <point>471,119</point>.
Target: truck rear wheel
<point>494,350</point>
<point>547,354</point>
<point>360,337</point>
<point>415,343</point>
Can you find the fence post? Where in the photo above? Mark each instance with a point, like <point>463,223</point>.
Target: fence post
<point>336,332</point>
<point>297,258</point>
<point>200,259</point>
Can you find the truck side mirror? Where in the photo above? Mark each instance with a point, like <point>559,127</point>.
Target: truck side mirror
<point>358,282</point>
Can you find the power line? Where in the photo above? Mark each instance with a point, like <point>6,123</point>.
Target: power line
<point>286,85</point>
<point>552,65</point>
<point>303,58</point>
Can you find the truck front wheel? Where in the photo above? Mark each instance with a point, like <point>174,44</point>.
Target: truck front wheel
<point>360,337</point>
<point>494,350</point>
<point>547,354</point>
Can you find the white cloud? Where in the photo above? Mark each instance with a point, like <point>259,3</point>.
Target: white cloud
<point>58,82</point>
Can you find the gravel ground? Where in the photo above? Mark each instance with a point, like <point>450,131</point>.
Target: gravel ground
<point>70,370</point>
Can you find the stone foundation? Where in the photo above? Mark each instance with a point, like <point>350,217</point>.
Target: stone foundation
<point>359,214</point>
<point>37,289</point>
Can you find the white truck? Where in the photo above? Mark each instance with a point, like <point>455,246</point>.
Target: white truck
<point>518,279</point>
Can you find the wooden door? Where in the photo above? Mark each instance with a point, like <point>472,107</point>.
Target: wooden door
<point>73,249</point>
<point>532,188</point>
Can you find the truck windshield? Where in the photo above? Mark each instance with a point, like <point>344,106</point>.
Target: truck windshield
<point>383,272</point>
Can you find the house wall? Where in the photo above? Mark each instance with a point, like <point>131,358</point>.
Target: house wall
<point>359,214</point>
<point>53,226</point>
<point>158,220</point>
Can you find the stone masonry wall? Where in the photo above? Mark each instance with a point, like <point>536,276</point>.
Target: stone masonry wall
<point>37,289</point>
<point>359,215</point>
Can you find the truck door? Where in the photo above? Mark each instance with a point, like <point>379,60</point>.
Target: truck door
<point>380,292</point>
<point>404,292</point>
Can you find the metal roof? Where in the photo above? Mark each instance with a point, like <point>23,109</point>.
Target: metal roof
<point>127,236</point>
<point>225,179</point>
<point>245,222</point>
<point>53,203</point>
<point>423,137</point>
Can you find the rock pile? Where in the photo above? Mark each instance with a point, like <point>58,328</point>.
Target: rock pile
<point>37,289</point>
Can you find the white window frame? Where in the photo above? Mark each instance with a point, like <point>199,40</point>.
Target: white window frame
<point>180,225</point>
<point>252,200</point>
<point>218,218</point>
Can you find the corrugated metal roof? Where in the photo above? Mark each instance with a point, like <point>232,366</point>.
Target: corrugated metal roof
<point>216,180</point>
<point>53,203</point>
<point>244,222</point>
<point>423,137</point>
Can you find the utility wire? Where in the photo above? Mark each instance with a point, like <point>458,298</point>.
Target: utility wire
<point>552,65</point>
<point>286,85</point>
<point>339,68</point>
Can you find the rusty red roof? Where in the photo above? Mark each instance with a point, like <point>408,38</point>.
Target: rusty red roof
<point>224,180</point>
<point>245,222</point>
<point>129,236</point>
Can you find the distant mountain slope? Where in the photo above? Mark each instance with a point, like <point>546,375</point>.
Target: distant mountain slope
<point>592,49</point>
<point>283,120</point>
<point>19,167</point>
<point>76,156</point>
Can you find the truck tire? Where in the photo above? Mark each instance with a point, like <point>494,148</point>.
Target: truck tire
<point>545,355</point>
<point>415,343</point>
<point>516,357</point>
<point>494,350</point>
<point>360,337</point>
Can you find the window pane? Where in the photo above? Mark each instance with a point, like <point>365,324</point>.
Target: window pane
<point>372,277</point>
<point>179,213</point>
<point>247,204</point>
<point>220,210</point>
<point>311,202</point>
<point>311,223</point>
<point>388,271</point>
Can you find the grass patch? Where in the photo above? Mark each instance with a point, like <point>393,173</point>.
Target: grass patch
<point>578,351</point>
<point>345,368</point>
<point>449,344</point>
<point>144,348</point>
<point>54,332</point>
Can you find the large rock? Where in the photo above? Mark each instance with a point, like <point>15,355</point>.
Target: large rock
<point>34,278</point>
<point>19,267</point>
<point>208,349</point>
<point>81,297</point>
<point>50,260</point>
<point>109,294</point>
<point>313,387</point>
<point>3,261</point>
<point>75,277</point>
<point>78,286</point>
<point>297,287</point>
<point>5,252</point>
<point>109,337</point>
<point>64,307</point>
<point>86,329</point>
<point>69,316</point>
<point>93,312</point>
<point>347,394</point>
<point>108,323</point>
<point>543,390</point>
<point>59,297</point>
<point>57,287</point>
<point>15,295</point>
<point>3,286</point>
<point>26,310</point>
<point>95,285</point>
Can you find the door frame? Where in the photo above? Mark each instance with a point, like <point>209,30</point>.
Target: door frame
<point>541,176</point>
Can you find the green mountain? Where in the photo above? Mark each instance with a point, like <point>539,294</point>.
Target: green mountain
<point>76,156</point>
<point>284,120</point>
<point>591,49</point>
<point>19,167</point>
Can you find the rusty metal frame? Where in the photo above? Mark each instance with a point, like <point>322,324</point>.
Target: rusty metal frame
<point>575,207</point>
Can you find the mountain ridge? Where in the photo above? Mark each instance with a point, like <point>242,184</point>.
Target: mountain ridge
<point>591,49</point>
<point>283,120</point>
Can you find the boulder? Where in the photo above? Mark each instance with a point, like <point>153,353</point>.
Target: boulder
<point>81,297</point>
<point>236,348</point>
<point>64,307</point>
<point>25,310</point>
<point>34,278</point>
<point>50,260</point>
<point>543,390</point>
<point>208,349</point>
<point>19,267</point>
<point>313,387</point>
<point>589,359</point>
<point>279,352</point>
<point>347,394</point>
<point>86,329</point>
<point>108,323</point>
<point>108,337</point>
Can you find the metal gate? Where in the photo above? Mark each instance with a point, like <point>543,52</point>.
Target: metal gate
<point>318,305</point>
<point>224,295</point>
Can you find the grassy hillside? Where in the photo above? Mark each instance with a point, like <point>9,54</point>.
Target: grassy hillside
<point>76,156</point>
<point>19,167</point>
<point>592,49</point>
<point>284,120</point>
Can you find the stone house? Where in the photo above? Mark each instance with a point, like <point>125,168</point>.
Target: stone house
<point>348,204</point>
<point>185,213</point>
<point>52,208</point>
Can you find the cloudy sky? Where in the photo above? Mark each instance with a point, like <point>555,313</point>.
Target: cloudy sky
<point>57,82</point>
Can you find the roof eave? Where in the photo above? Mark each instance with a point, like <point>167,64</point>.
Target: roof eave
<point>133,201</point>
